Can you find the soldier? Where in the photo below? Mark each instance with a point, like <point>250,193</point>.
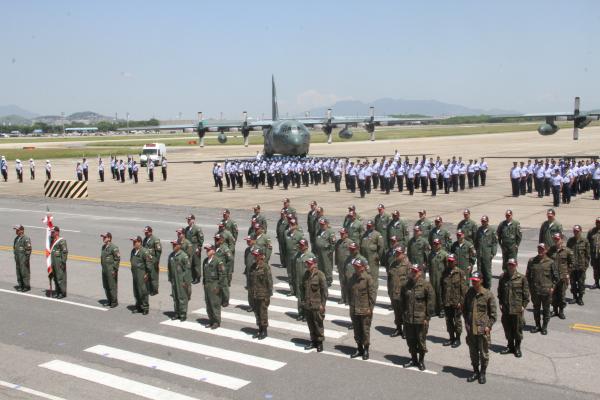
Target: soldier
<point>454,288</point>
<point>581,261</point>
<point>486,246</point>
<point>563,262</point>
<point>397,278</point>
<point>194,234</point>
<point>248,261</point>
<point>163,167</point>
<point>22,253</point>
<point>215,283</point>
<point>152,243</point>
<point>382,221</point>
<point>480,315</point>
<point>354,227</point>
<point>509,238</point>
<point>282,227</point>
<point>418,248</point>
<point>312,224</point>
<point>397,228</point>
<point>260,290</point>
<point>593,236</point>
<point>371,247</point>
<point>424,223</point>
<point>438,261</point>
<point>179,264</point>
<point>292,238</point>
<point>362,293</point>
<point>231,226</point>
<point>541,277</point>
<point>313,293</point>
<point>288,208</point>
<point>342,252</point>
<point>227,237</point>
<point>464,252</point>
<point>301,254</point>
<point>468,226</point>
<point>223,253</point>
<point>58,258</point>
<point>257,217</point>
<point>263,241</point>
<point>549,228</point>
<point>324,248</point>
<point>513,296</point>
<point>438,232</point>
<point>110,258</point>
<point>418,305</point>
<point>142,264</point>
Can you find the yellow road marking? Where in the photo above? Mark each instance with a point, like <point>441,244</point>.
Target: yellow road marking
<point>74,257</point>
<point>585,327</point>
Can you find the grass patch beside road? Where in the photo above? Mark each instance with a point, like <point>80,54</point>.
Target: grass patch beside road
<point>41,154</point>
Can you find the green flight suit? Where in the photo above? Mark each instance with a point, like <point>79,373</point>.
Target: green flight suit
<point>486,247</point>
<point>224,253</point>
<point>142,263</point>
<point>312,226</point>
<point>110,258</point>
<point>443,235</point>
<point>465,256</point>
<point>263,242</point>
<point>261,220</point>
<point>196,237</point>
<point>291,247</point>
<point>418,250</point>
<point>188,249</point>
<point>438,261</point>
<point>297,274</point>
<point>179,265</point>
<point>229,240</point>
<point>372,248</point>
<point>547,230</point>
<point>480,312</point>
<point>341,254</point>
<point>398,228</point>
<point>355,230</point>
<point>152,243</point>
<point>425,225</point>
<point>58,259</point>
<point>215,282</point>
<point>260,290</point>
<point>282,227</point>
<point>232,227</point>
<point>418,306</point>
<point>509,238</point>
<point>469,228</point>
<point>22,253</point>
<point>313,294</point>
<point>324,248</point>
<point>381,222</point>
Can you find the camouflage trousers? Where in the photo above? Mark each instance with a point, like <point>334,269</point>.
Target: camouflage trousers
<point>560,293</point>
<point>362,328</point>
<point>416,335</point>
<point>541,302</point>
<point>261,311</point>
<point>314,320</point>
<point>398,317</point>
<point>513,326</point>
<point>479,346</point>
<point>453,321</point>
<point>596,266</point>
<point>577,278</point>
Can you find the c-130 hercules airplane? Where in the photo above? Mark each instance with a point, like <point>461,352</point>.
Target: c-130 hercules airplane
<point>291,136</point>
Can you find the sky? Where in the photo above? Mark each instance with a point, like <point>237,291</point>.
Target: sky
<point>163,58</point>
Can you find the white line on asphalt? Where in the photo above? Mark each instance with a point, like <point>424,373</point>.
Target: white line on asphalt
<point>43,227</point>
<point>27,390</point>
<point>238,335</point>
<point>212,378</point>
<point>273,323</point>
<point>292,311</point>
<point>113,381</point>
<point>330,303</point>
<point>386,364</point>
<point>209,351</point>
<point>53,299</point>
<point>334,292</point>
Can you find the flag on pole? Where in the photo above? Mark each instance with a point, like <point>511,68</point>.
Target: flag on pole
<point>49,222</point>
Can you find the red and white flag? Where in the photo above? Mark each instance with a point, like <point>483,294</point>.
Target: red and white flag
<point>49,222</point>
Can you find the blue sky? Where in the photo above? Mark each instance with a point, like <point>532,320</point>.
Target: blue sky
<point>159,58</point>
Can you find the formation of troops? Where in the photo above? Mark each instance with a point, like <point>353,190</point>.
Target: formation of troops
<point>387,174</point>
<point>429,273</point>
<point>562,179</point>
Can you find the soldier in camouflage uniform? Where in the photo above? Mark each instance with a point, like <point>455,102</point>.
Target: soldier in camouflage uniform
<point>438,232</point>
<point>324,248</point>
<point>397,278</point>
<point>313,293</point>
<point>418,248</point>
<point>58,259</point>
<point>418,306</point>
<point>341,254</point>
<point>513,296</point>
<point>142,264</point>
<point>423,223</point>
<point>593,236</point>
<point>223,252</point>
<point>541,276</point>
<point>372,248</point>
<point>464,251</point>
<point>362,301</point>
<point>581,261</point>
<point>399,229</point>
<point>215,282</point>
<point>22,253</point>
<point>152,243</point>
<point>354,254</point>
<point>110,258</point>
<point>550,227</point>
<point>454,288</point>
<point>468,226</point>
<point>179,265</point>
<point>438,261</point>
<point>563,260</point>
<point>509,238</point>
<point>263,241</point>
<point>260,290</point>
<point>479,308</point>
<point>486,247</point>
<point>302,254</point>
<point>194,234</point>
<point>382,221</point>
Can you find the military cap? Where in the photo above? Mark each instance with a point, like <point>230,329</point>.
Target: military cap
<point>107,234</point>
<point>147,228</point>
<point>556,236</point>
<point>466,211</point>
<point>343,230</point>
<point>451,257</point>
<point>415,267</point>
<point>381,206</point>
<point>476,277</point>
<point>311,261</point>
<point>460,233</point>
<point>191,216</point>
<point>226,211</point>
<point>257,207</point>
<point>136,239</point>
<point>551,211</point>
<point>399,250</point>
<point>209,246</point>
<point>322,221</point>
<point>541,246</point>
<point>485,218</point>
<point>511,261</point>
<point>396,212</point>
<point>179,230</point>
<point>394,238</point>
<point>175,242</point>
<point>18,227</point>
<point>417,229</point>
<point>218,236</point>
<point>353,245</point>
<point>508,212</point>
<point>286,200</point>
<point>303,242</point>
<point>369,223</point>
<point>256,252</point>
<point>438,219</point>
<point>577,228</point>
<point>257,226</point>
<point>422,212</point>
<point>437,241</point>
<point>357,261</point>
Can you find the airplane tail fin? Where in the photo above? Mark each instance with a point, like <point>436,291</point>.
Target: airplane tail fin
<point>274,106</point>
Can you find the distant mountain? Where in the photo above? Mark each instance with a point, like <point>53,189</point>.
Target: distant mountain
<point>13,110</point>
<point>388,106</point>
<point>14,120</point>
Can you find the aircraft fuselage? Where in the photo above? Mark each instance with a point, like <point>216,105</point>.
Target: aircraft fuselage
<point>287,137</point>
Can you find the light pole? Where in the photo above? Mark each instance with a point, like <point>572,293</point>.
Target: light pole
<point>127,122</point>
<point>62,117</point>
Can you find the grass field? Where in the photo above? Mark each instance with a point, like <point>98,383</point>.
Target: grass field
<point>54,153</point>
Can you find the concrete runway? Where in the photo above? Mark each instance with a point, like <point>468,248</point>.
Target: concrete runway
<point>78,349</point>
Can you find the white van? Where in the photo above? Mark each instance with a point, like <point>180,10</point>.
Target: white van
<point>153,152</point>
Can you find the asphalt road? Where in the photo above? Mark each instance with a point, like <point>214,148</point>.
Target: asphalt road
<point>78,349</point>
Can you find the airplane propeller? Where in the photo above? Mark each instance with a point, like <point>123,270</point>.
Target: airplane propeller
<point>201,129</point>
<point>245,128</point>
<point>327,128</point>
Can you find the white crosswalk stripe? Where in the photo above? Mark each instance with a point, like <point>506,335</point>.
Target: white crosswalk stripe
<point>335,292</point>
<point>209,351</point>
<point>186,371</point>
<point>273,323</point>
<point>330,304</point>
<point>113,381</point>
<point>30,391</point>
<point>292,311</point>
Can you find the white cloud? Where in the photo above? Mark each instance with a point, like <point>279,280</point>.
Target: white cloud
<point>311,98</point>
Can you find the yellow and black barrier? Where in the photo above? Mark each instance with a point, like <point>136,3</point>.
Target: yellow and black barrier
<point>66,189</point>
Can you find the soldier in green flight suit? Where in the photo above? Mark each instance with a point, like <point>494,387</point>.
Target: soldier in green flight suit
<point>593,236</point>
<point>263,241</point>
<point>362,293</point>
<point>513,296</point>
<point>110,258</point>
<point>438,261</point>
<point>22,253</point>
<point>257,218</point>
<point>215,282</point>
<point>230,225</point>
<point>223,252</point>
<point>440,233</point>
<point>282,227</point>
<point>372,248</point>
<point>397,278</point>
<point>312,224</point>
<point>382,221</point>
<point>486,247</point>
<point>563,261</point>
<point>324,248</point>
<point>152,243</point>
<point>468,226</point>
<point>354,227</point>
<point>418,248</point>
<point>58,259</point>
<point>142,263</point>
<point>549,228</point>
<point>454,288</point>
<point>194,234</point>
<point>313,293</point>
<point>302,254</point>
<point>424,224</point>
<point>292,238</point>
<point>248,261</point>
<point>188,249</point>
<point>342,252</point>
<point>399,229</point>
<point>260,290</point>
<point>227,237</point>
<point>581,261</point>
<point>509,238</point>
<point>179,264</point>
<point>464,251</point>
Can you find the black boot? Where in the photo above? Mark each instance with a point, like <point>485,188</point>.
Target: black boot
<point>359,352</point>
<point>579,299</point>
<point>475,375</point>
<point>365,355</point>
<point>397,332</point>
<point>545,327</point>
<point>449,341</point>
<point>518,353</point>
<point>413,361</point>
<point>510,348</point>
<point>263,333</point>
<point>442,313</point>
<point>310,346</point>
<point>538,327</point>
<point>456,342</point>
<point>421,361</point>
<point>319,347</point>
<point>482,379</point>
<point>257,333</point>
<point>561,313</point>
<point>554,312</point>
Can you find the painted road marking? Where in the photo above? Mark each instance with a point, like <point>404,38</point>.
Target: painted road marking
<point>288,326</point>
<point>209,351</point>
<point>113,381</point>
<point>44,228</point>
<point>212,378</point>
<point>27,390</point>
<point>291,311</point>
<point>334,292</point>
<point>53,299</point>
<point>585,327</point>
<point>330,303</point>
